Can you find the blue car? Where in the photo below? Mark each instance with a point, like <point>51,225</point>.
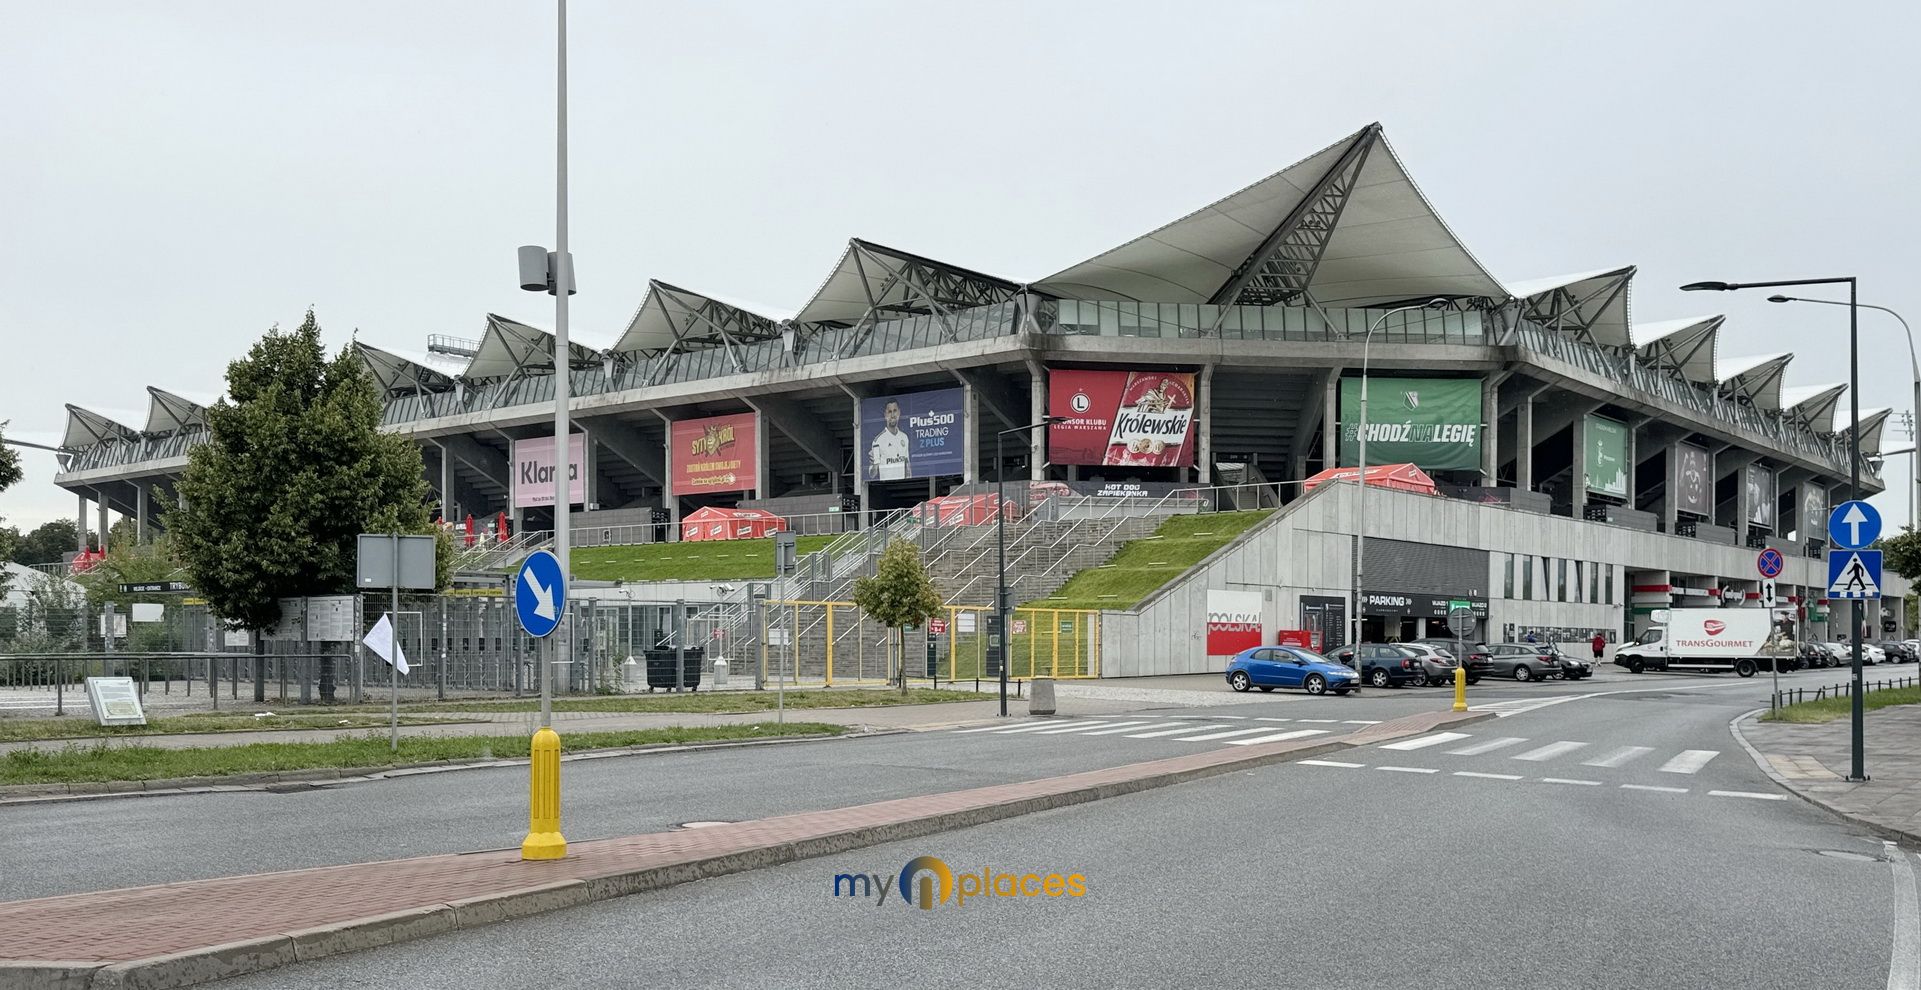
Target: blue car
<point>1269,667</point>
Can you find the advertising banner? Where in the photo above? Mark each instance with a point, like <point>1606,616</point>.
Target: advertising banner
<point>1761,494</point>
<point>1607,457</point>
<point>1418,604</point>
<point>1121,418</point>
<point>1814,512</point>
<point>716,454</point>
<point>1433,423</point>
<point>918,435</point>
<point>1233,622</point>
<point>1691,480</point>
<point>533,471</point>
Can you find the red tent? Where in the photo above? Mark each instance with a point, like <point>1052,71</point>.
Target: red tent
<point>1400,477</point>
<point>729,524</point>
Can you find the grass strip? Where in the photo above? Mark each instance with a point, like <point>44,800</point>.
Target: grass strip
<point>711,702</point>
<point>1829,709</point>
<point>694,560</point>
<point>1141,567</point>
<point>99,763</point>
<point>81,726</point>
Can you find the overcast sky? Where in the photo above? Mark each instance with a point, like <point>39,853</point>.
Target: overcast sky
<point>181,176</point>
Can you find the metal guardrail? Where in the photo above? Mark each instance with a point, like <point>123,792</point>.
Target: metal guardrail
<point>1795,696</point>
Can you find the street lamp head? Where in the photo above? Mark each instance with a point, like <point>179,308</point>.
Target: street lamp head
<point>1707,287</point>
<point>1781,298</point>
<point>1437,303</point>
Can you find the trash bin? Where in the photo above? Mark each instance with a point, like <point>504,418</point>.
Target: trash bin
<point>660,668</point>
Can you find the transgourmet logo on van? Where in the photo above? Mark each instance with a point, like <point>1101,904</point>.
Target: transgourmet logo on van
<point>1121,418</point>
<point>1714,627</point>
<point>1436,425</point>
<point>927,881</point>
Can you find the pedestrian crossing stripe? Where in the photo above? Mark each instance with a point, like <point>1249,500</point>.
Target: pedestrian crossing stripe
<point>1854,574</point>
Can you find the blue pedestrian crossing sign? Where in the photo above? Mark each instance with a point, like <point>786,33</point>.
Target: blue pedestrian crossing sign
<point>540,594</point>
<point>1854,574</point>
<point>1853,525</point>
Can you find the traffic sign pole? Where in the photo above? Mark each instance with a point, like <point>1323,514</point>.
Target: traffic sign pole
<point>1852,526</point>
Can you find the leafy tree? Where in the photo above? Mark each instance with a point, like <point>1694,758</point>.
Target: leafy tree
<point>9,462</point>
<point>295,467</point>
<point>48,543</point>
<point>1902,552</point>
<point>899,594</point>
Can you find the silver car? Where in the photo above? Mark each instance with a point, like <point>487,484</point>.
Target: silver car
<point>1438,663</point>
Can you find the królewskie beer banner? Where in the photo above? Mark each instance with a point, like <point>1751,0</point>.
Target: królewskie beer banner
<point>917,435</point>
<point>716,454</point>
<point>1432,423</point>
<point>1121,418</point>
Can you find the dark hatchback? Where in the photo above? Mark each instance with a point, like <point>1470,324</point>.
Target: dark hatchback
<point>1479,661</point>
<point>1384,664</point>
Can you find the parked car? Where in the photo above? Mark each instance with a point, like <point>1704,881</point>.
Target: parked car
<point>1384,664</point>
<point>1573,668</point>
<point>1839,653</point>
<point>1897,651</point>
<point>1524,661</point>
<point>1477,658</point>
<point>1270,667</point>
<point>1439,664</point>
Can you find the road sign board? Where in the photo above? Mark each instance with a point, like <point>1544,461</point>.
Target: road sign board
<point>1769,562</point>
<point>1768,599</point>
<point>540,594</point>
<point>157,588</point>
<point>935,627</point>
<point>1854,574</point>
<point>1853,525</point>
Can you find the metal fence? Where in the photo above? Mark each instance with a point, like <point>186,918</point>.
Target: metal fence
<point>1845,689</point>
<point>834,643</point>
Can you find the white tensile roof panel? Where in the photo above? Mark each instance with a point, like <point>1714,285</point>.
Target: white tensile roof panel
<point>1390,245</point>
<point>169,411</point>
<point>1602,297</point>
<point>86,427</point>
<point>1872,423</point>
<point>1758,377</point>
<point>1688,343</point>
<point>510,346</point>
<point>398,371</point>
<point>665,308</point>
<point>855,283</point>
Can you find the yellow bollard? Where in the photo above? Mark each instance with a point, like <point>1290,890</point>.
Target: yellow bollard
<point>1460,688</point>
<point>544,840</point>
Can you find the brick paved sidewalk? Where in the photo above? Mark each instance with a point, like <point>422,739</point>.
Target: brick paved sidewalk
<point>217,928</point>
<point>1814,760</point>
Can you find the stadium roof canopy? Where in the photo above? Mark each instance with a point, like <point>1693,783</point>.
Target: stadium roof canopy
<point>1592,304</point>
<point>86,428</point>
<point>1756,379</point>
<point>672,318</point>
<point>1813,405</point>
<point>510,348</point>
<point>1872,423</point>
<point>398,373</point>
<point>168,412</point>
<point>873,282</point>
<point>1345,227</point>
<point>1685,347</point>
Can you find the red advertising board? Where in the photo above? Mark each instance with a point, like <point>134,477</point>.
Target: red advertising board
<point>1123,418</point>
<point>1233,622</point>
<point>1299,637</point>
<point>716,454</point>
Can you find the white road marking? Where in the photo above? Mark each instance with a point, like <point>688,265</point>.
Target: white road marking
<point>1423,742</point>
<point>1269,718</point>
<point>1006,729</point>
<point>1330,763</point>
<point>1409,769</point>
<point>1237,717</point>
<point>1564,780</point>
<point>1749,794</point>
<point>1122,727</point>
<point>1487,776</point>
<point>1904,961</point>
<point>1278,736</point>
<point>1173,731</point>
<point>1487,746</point>
<point>1318,720</point>
<point>1360,721</point>
<point>1690,761</point>
<point>1095,725</point>
<point>1550,751</point>
<point>1619,756</point>
<point>1222,735</point>
<point>1654,787</point>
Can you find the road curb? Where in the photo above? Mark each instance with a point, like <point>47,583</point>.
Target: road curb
<point>234,959</point>
<point>1880,830</point>
<point>294,780</point>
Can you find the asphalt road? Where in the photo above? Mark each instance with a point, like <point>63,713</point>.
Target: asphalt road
<point>1608,842</point>
<point>136,841</point>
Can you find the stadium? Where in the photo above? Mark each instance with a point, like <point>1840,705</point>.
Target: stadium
<point>1559,467</point>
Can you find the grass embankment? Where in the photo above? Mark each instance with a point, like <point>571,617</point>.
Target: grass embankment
<point>1829,709</point>
<point>98,763</point>
<point>717,560</point>
<point>82,726</point>
<point>709,703</point>
<point>1143,566</point>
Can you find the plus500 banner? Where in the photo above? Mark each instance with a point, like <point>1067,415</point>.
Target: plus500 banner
<point>1432,423</point>
<point>918,435</point>
<point>1128,418</point>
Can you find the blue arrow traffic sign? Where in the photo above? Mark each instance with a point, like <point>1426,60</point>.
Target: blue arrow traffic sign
<point>1769,563</point>
<point>540,594</point>
<point>1853,525</point>
<point>1854,574</point>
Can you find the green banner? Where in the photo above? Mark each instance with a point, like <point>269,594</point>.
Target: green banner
<point>1432,423</point>
<point>1607,457</point>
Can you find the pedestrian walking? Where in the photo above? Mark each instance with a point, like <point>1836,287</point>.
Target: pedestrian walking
<point>1600,645</point>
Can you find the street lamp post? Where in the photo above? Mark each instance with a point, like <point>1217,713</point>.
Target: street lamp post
<point>1360,478</point>
<point>1000,539</point>
<point>1858,768</point>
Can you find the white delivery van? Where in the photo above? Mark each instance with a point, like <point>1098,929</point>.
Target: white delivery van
<point>1705,639</point>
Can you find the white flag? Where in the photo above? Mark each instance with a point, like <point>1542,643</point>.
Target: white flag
<point>380,639</point>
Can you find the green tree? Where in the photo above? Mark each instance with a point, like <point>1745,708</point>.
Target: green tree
<point>295,467</point>
<point>899,594</point>
<point>1902,553</point>
<point>9,475</point>
<point>48,543</point>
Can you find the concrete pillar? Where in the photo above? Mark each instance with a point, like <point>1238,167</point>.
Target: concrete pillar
<point>1036,410</point>
<point>140,512</point>
<point>667,496</point>
<point>970,435</point>
<point>1577,494</point>
<point>1331,423</point>
<point>81,524</point>
<point>1633,460</point>
<point>860,459</point>
<point>763,485</point>
<point>446,484</point>
<point>1491,432</point>
<point>102,505</point>
<point>1670,512</point>
<point>1524,445</point>
<point>1204,426</point>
